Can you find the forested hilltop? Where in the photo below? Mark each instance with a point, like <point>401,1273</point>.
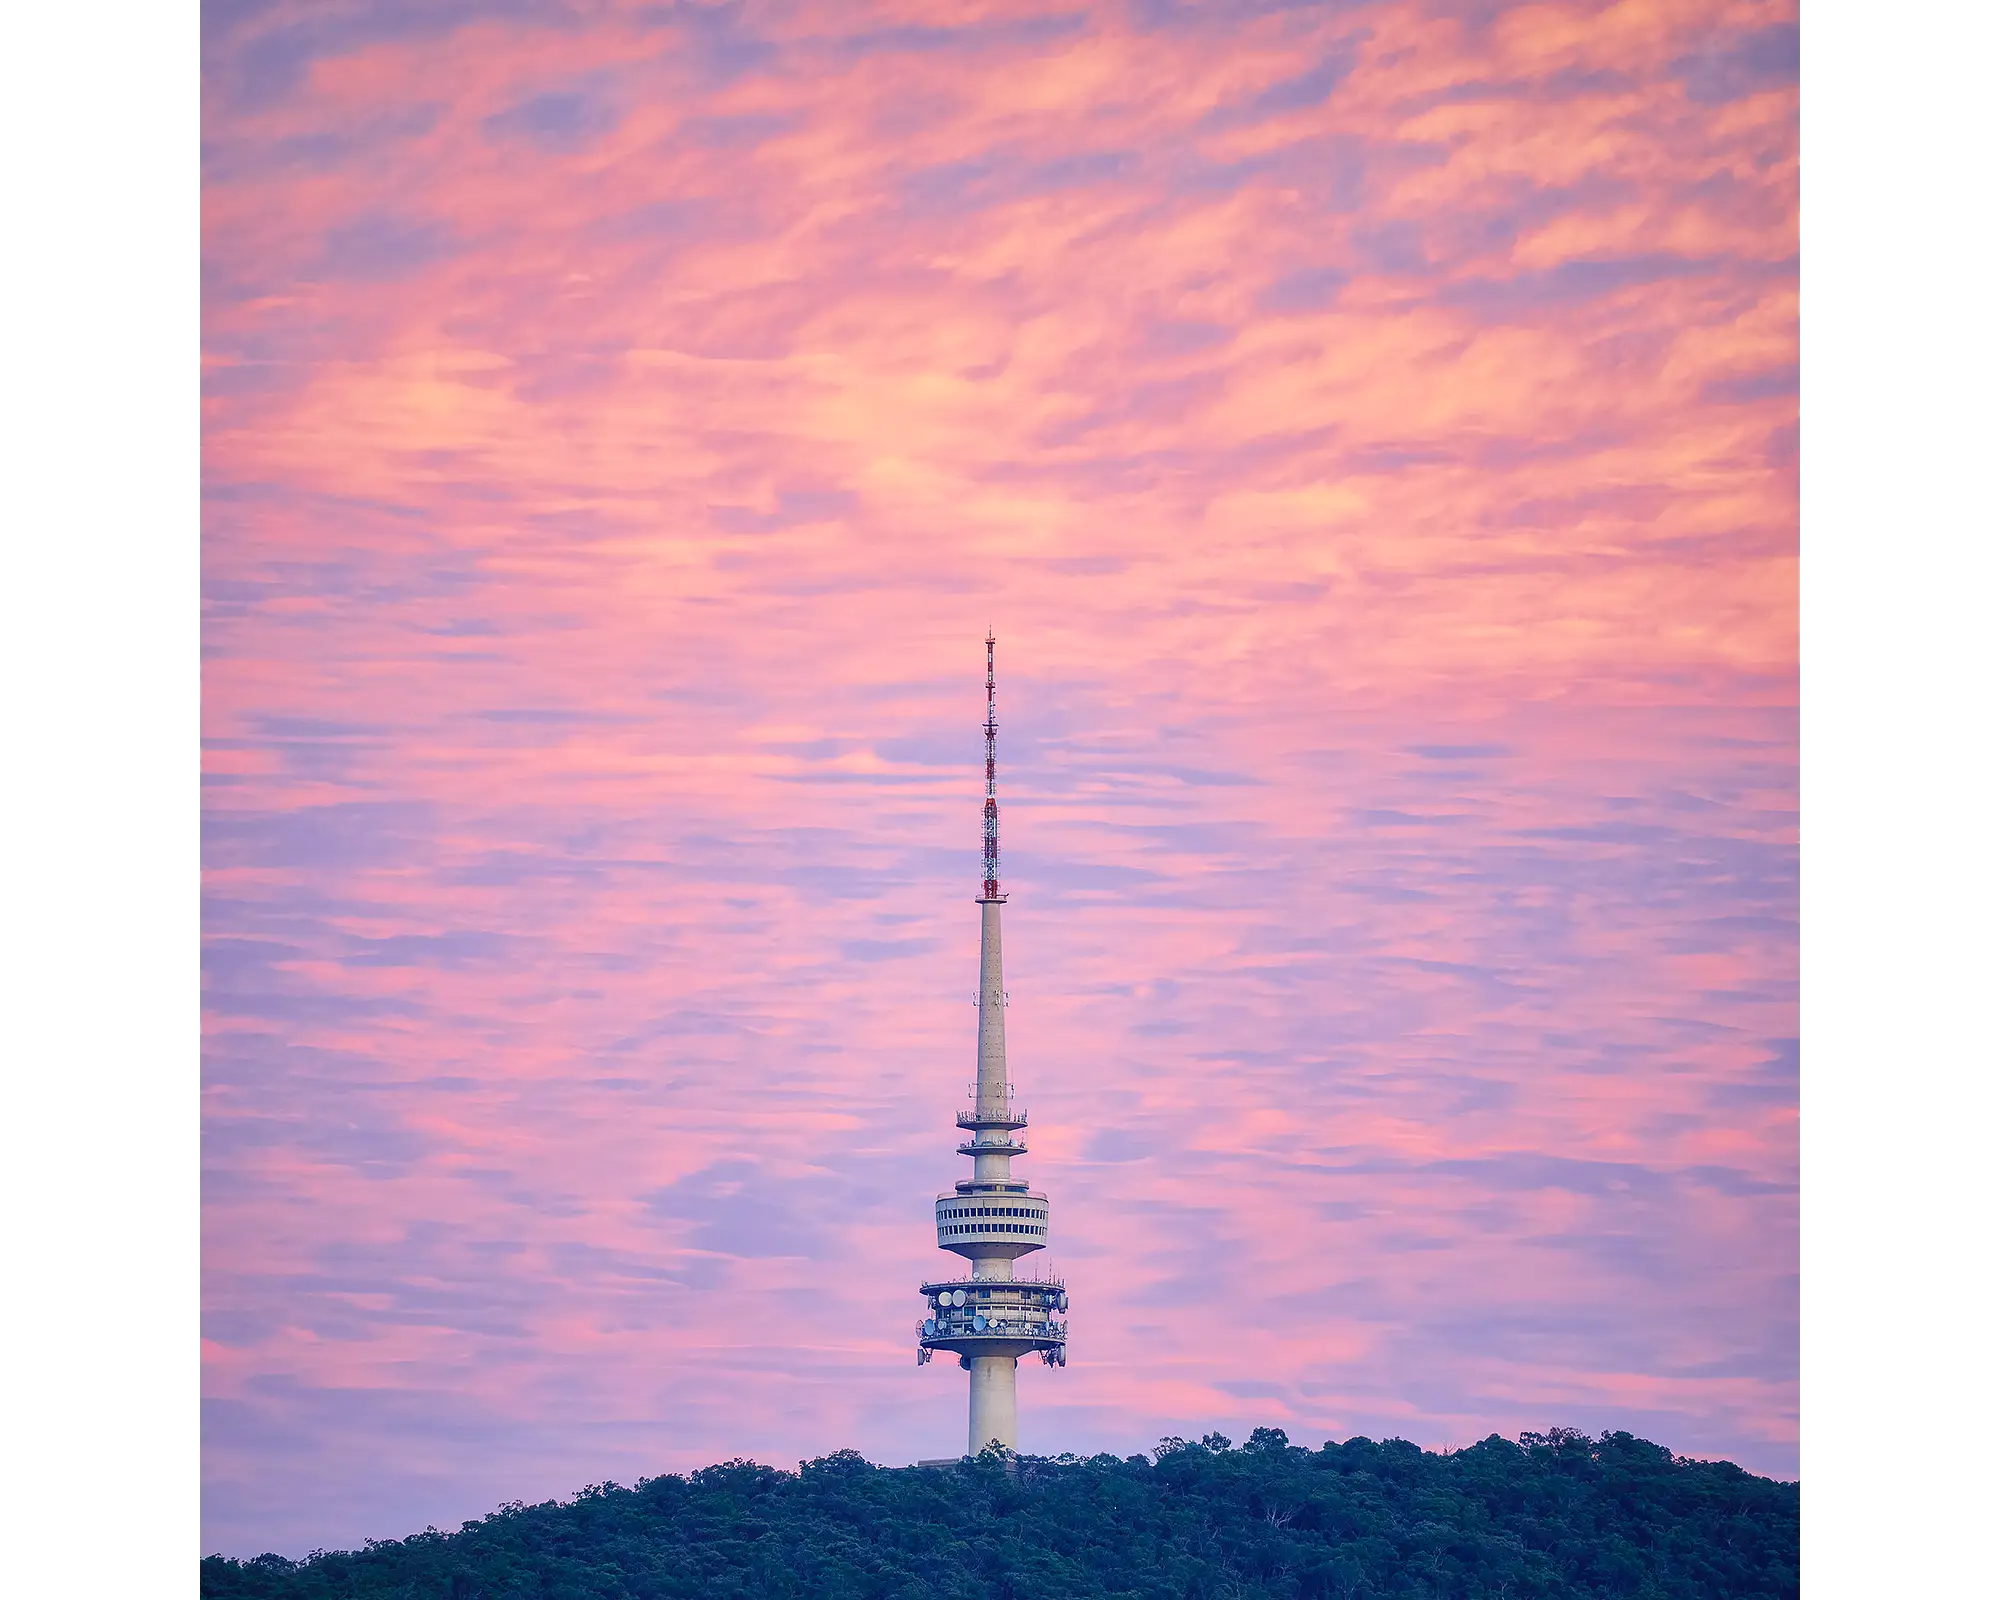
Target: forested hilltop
<point>1558,1514</point>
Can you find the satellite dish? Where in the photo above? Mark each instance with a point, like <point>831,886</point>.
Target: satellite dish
<point>958,1297</point>
<point>978,1324</point>
<point>930,1325</point>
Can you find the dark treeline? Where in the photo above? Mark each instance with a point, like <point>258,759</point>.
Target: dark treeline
<point>1558,1514</point>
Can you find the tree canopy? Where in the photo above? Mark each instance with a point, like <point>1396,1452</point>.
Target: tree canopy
<point>1553,1515</point>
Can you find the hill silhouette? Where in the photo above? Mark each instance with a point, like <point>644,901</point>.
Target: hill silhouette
<point>1555,1515</point>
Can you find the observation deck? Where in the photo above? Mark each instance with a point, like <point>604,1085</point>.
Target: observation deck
<point>1006,1220</point>
<point>994,1147</point>
<point>1009,1116</point>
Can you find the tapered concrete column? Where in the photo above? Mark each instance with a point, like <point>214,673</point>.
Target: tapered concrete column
<point>992,1070</point>
<point>992,1403</point>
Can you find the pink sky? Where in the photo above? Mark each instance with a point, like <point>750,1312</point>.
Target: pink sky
<point>1371,431</point>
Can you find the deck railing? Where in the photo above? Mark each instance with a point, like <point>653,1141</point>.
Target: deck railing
<point>1012,1115</point>
<point>1034,1277</point>
<point>962,1328</point>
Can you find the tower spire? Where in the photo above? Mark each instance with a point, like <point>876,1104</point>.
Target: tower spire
<point>991,1319</point>
<point>991,825</point>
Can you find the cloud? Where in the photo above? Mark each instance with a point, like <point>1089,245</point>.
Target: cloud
<point>1300,92</point>
<point>384,247</point>
<point>1731,66</point>
<point>1310,289</point>
<point>1566,285</point>
<point>716,38</point>
<point>429,950</point>
<point>556,120</point>
<point>741,1211</point>
<point>1771,383</point>
<point>349,834</point>
<point>921,39</point>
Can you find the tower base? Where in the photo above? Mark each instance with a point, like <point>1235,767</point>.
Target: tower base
<point>992,1419</point>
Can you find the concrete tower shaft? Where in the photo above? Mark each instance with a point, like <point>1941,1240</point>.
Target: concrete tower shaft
<point>991,1319</point>
<point>991,1092</point>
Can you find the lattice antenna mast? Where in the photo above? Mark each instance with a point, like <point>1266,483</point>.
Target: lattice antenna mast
<point>991,885</point>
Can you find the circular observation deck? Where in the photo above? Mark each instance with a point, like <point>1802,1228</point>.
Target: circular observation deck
<point>1008,1146</point>
<point>1008,1116</point>
<point>992,1222</point>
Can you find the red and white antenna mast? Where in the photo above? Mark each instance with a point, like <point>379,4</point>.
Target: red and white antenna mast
<point>991,885</point>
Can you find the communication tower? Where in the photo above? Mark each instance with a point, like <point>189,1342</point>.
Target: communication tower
<point>992,1318</point>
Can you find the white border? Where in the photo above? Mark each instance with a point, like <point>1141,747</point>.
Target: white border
<point>1899,797</point>
<point>100,122</point>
